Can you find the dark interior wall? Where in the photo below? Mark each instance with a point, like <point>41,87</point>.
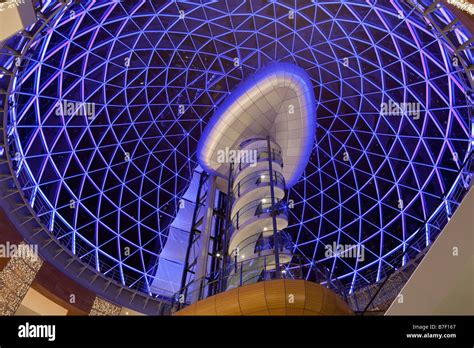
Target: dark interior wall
<point>8,233</point>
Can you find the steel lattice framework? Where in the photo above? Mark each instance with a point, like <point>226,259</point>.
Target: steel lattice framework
<point>108,186</point>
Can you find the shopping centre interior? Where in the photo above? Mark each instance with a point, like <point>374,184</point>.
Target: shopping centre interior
<point>236,157</point>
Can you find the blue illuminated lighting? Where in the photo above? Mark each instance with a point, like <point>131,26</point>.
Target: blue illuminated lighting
<point>108,186</point>
<point>301,78</point>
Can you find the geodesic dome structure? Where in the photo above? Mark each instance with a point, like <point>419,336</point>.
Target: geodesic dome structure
<point>107,186</point>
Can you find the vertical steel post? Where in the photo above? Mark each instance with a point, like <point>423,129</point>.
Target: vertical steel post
<point>227,223</point>
<point>191,238</point>
<point>218,228</point>
<point>264,267</point>
<point>205,235</point>
<point>241,272</point>
<point>276,244</point>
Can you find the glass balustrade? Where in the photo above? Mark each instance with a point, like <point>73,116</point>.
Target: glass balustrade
<point>261,155</point>
<point>258,179</point>
<point>256,209</point>
<point>251,271</point>
<point>260,243</point>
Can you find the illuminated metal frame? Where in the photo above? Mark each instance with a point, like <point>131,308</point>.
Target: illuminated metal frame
<point>458,80</point>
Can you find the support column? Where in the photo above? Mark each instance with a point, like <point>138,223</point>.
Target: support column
<point>202,259</point>
<point>16,279</point>
<point>276,245</point>
<point>102,307</point>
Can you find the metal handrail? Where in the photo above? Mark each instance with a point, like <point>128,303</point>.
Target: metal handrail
<point>111,270</point>
<point>251,271</point>
<point>256,208</point>
<point>257,179</point>
<point>413,253</point>
<point>263,243</point>
<point>262,155</point>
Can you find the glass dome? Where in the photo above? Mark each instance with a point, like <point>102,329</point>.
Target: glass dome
<point>112,99</point>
